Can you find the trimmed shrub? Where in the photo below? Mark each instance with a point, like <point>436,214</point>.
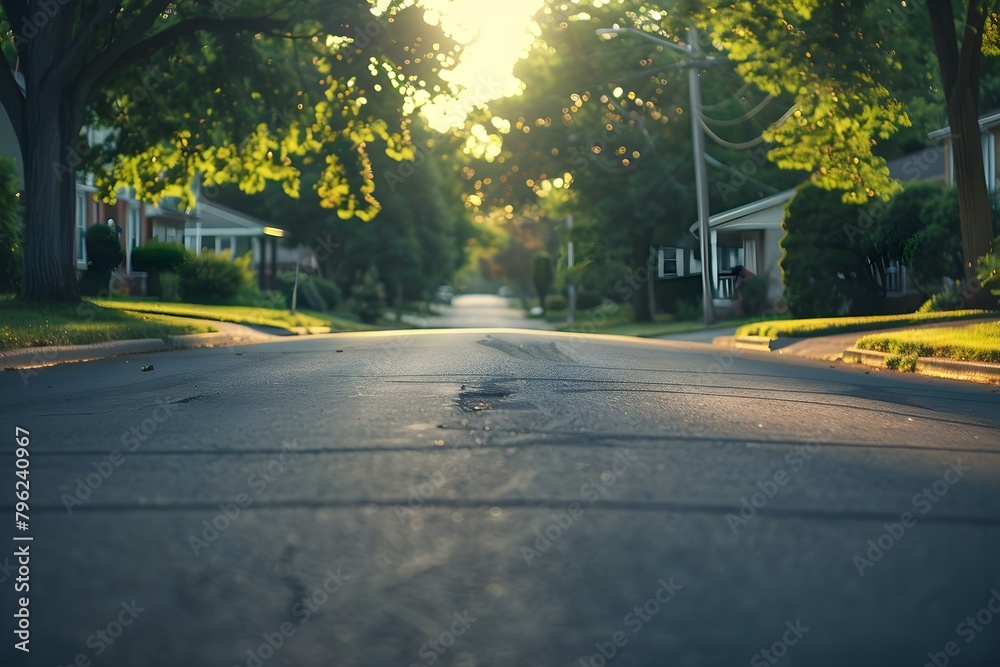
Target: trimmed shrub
<point>211,279</point>
<point>157,257</point>
<point>556,302</point>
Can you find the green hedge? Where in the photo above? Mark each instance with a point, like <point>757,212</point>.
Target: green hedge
<point>214,279</point>
<point>160,259</point>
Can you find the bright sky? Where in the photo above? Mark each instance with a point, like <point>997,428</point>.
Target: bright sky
<point>497,34</point>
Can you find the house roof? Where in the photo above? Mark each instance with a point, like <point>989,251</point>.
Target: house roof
<point>756,215</point>
<point>211,219</point>
<point>216,216</point>
<point>925,165</point>
<point>987,122</point>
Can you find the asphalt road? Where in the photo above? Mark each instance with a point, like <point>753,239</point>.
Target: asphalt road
<point>481,498</point>
<point>482,311</point>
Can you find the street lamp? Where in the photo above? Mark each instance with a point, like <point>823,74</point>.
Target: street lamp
<point>698,141</point>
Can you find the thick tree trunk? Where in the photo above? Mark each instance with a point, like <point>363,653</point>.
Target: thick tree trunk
<point>959,60</point>
<point>642,274</point>
<point>970,179</point>
<point>49,191</point>
<point>49,128</point>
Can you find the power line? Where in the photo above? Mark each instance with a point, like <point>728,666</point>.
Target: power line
<point>745,117</point>
<point>729,144</point>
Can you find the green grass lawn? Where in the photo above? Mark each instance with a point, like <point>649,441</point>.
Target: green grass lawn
<point>247,315</point>
<point>974,342</point>
<point>59,324</point>
<point>620,322</point>
<point>833,325</point>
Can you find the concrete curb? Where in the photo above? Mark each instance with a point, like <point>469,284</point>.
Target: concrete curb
<point>37,357</point>
<point>761,343</point>
<point>976,371</point>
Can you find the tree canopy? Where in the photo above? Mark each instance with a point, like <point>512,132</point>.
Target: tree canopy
<point>244,92</point>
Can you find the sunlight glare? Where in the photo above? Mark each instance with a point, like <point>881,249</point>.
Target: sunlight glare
<point>496,36</point>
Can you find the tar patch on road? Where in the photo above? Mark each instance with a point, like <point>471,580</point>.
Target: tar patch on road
<point>481,399</point>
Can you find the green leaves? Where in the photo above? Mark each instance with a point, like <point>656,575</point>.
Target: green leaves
<point>826,57</point>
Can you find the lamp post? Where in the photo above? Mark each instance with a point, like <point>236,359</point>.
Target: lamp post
<point>698,142</point>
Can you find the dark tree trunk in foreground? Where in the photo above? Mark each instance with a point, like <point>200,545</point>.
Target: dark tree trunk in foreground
<point>960,60</point>
<point>643,273</point>
<point>50,203</point>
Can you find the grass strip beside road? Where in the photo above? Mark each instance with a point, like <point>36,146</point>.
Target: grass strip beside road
<point>823,326</point>
<point>24,326</point>
<point>618,320</point>
<point>975,342</point>
<point>247,315</point>
<point>653,329</point>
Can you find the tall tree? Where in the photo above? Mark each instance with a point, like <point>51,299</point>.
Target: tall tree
<point>71,64</point>
<point>841,57</point>
<point>960,46</point>
<point>610,122</point>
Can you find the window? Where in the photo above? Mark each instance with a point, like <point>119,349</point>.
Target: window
<point>895,279</point>
<point>81,229</point>
<point>730,258</point>
<point>669,262</point>
<point>224,244</point>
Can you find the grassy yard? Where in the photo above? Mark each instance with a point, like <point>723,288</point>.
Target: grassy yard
<point>833,325</point>
<point>247,315</point>
<point>974,342</point>
<point>58,324</point>
<point>620,322</point>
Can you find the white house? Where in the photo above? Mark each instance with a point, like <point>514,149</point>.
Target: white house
<point>210,226</point>
<point>989,130</point>
<point>751,235</point>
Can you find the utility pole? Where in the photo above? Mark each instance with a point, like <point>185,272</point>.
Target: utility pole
<point>700,176</point>
<point>569,264</point>
<point>693,62</point>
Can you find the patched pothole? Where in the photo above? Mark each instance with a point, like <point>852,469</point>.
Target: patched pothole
<point>480,400</point>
